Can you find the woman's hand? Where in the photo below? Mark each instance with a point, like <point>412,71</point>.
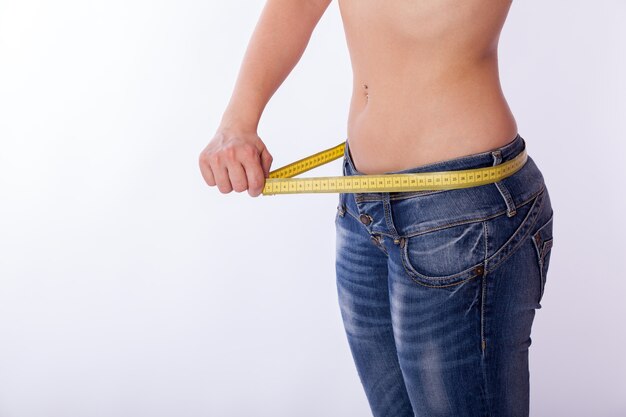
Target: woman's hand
<point>236,160</point>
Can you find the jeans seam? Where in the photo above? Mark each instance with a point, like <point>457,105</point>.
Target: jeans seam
<point>542,246</point>
<point>507,211</point>
<point>457,223</point>
<point>473,220</point>
<point>483,341</point>
<point>502,188</point>
<point>411,195</point>
<point>445,285</point>
<point>534,213</point>
<point>414,275</point>
<point>483,335</point>
<point>381,247</point>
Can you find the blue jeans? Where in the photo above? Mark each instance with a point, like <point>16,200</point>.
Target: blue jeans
<point>438,289</point>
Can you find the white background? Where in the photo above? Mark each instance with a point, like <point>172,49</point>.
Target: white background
<point>128,287</point>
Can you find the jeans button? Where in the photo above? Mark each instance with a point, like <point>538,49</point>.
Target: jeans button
<point>365,219</point>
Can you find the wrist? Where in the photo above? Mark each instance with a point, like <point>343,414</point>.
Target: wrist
<point>239,121</point>
<point>237,127</point>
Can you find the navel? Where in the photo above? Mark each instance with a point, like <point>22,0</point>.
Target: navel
<point>365,91</point>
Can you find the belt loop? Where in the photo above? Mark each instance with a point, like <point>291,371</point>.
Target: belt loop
<point>504,191</point>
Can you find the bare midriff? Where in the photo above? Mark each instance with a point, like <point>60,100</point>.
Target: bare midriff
<point>426,83</point>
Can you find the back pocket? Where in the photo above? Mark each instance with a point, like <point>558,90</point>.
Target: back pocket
<point>542,241</point>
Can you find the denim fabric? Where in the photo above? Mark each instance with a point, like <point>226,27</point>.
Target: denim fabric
<point>438,289</point>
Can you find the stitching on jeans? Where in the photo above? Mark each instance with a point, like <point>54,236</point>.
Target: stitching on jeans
<point>448,225</point>
<point>502,188</point>
<point>547,245</point>
<point>540,261</point>
<point>365,197</point>
<point>411,270</point>
<point>459,222</point>
<point>483,341</point>
<point>542,247</point>
<point>413,273</point>
<point>523,203</point>
<point>486,243</point>
<point>551,218</point>
<point>483,337</point>
<point>511,250</point>
<point>386,215</point>
<point>388,219</point>
<point>510,203</point>
<point>442,286</point>
<point>379,244</point>
<point>397,197</point>
<point>538,234</point>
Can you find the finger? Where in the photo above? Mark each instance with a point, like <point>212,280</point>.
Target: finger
<point>221,178</point>
<point>205,170</point>
<point>237,176</point>
<point>256,179</point>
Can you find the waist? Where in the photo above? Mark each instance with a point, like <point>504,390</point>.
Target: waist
<point>476,160</point>
<point>376,150</point>
<point>523,184</point>
<point>402,123</point>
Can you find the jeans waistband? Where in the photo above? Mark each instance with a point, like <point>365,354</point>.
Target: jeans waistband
<point>477,160</point>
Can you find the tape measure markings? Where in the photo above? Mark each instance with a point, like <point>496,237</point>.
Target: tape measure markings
<point>308,163</point>
<point>280,181</point>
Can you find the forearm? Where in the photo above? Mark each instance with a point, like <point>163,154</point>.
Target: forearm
<point>276,45</point>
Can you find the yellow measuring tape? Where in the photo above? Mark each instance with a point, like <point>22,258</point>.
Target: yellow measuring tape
<point>280,180</point>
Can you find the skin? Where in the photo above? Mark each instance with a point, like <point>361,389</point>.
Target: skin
<point>425,85</point>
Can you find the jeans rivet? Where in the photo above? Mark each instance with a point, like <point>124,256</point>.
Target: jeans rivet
<point>365,219</point>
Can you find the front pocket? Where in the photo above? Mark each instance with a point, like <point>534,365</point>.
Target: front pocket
<point>542,241</point>
<point>453,254</point>
<point>446,256</point>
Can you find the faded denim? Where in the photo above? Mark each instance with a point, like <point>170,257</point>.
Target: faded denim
<point>438,289</point>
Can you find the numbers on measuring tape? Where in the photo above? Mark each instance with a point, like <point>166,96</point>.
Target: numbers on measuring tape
<point>280,181</point>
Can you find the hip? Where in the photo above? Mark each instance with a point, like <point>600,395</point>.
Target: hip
<point>481,225</point>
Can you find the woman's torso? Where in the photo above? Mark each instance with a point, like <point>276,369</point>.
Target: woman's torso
<point>431,71</point>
